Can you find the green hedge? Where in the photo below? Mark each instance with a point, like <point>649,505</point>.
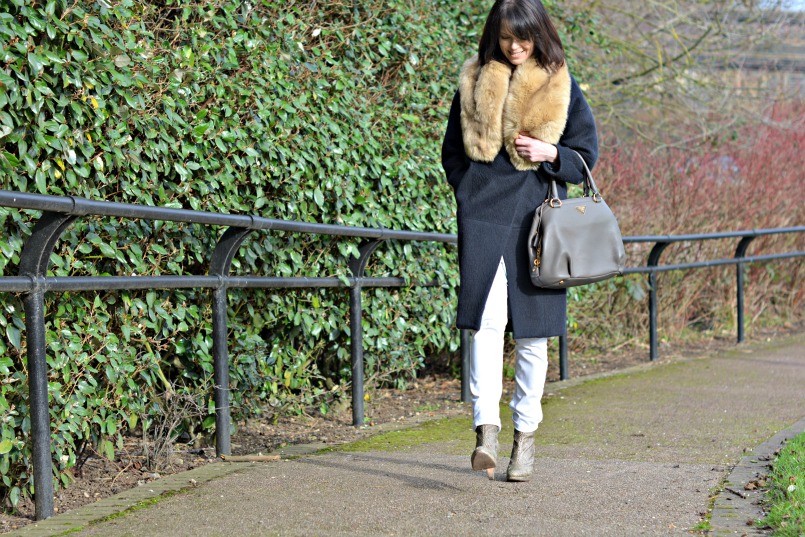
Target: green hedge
<point>322,112</point>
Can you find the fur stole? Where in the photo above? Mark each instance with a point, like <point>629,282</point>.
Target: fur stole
<point>498,103</point>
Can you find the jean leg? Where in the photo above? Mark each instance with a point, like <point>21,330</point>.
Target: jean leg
<point>486,355</point>
<point>530,370</point>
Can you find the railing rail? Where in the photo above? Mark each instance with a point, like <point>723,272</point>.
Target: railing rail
<point>76,206</point>
<point>59,212</point>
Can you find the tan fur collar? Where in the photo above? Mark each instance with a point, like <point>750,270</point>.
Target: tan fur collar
<point>497,104</point>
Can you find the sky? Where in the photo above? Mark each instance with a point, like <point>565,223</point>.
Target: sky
<point>794,5</point>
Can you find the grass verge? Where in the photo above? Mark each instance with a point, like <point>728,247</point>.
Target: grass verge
<point>148,502</point>
<point>786,496</point>
<point>431,431</point>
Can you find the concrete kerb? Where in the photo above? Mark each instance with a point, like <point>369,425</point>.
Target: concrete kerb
<point>83,516</point>
<point>735,506</point>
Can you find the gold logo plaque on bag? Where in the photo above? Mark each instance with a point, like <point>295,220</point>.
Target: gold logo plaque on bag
<point>581,208</point>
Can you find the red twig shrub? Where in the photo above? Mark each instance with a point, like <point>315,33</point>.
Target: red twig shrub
<point>749,180</point>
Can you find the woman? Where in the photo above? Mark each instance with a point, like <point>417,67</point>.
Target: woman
<point>515,122</point>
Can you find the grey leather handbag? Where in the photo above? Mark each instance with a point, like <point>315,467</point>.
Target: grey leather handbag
<point>575,241</point>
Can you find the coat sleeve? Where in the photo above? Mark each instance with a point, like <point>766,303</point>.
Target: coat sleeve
<point>580,135</point>
<point>454,159</point>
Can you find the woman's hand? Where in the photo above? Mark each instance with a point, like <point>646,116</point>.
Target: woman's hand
<point>534,150</point>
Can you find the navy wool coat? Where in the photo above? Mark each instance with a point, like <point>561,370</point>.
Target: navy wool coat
<point>495,207</point>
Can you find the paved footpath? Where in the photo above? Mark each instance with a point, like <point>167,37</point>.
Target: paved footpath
<point>639,453</point>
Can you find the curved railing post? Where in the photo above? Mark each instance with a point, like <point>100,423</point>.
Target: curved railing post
<point>358,266</point>
<point>34,262</point>
<point>740,252</point>
<point>220,264</point>
<point>653,261</point>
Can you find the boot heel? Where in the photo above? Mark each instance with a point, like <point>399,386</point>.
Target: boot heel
<point>485,455</point>
<point>482,460</point>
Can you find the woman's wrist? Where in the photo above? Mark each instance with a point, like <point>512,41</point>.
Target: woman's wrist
<point>555,155</point>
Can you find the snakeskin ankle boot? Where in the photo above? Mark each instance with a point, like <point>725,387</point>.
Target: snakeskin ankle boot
<point>522,461</point>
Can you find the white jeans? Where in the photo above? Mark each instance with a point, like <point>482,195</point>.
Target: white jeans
<point>486,365</point>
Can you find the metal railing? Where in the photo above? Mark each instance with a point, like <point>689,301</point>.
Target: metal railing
<point>661,242</point>
<point>59,212</point>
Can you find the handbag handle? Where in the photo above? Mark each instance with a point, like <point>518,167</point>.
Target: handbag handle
<point>589,185</point>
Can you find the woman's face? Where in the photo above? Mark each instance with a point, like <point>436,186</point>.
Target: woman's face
<point>516,51</point>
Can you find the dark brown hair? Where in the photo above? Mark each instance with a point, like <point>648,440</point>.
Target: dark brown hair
<point>526,20</point>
